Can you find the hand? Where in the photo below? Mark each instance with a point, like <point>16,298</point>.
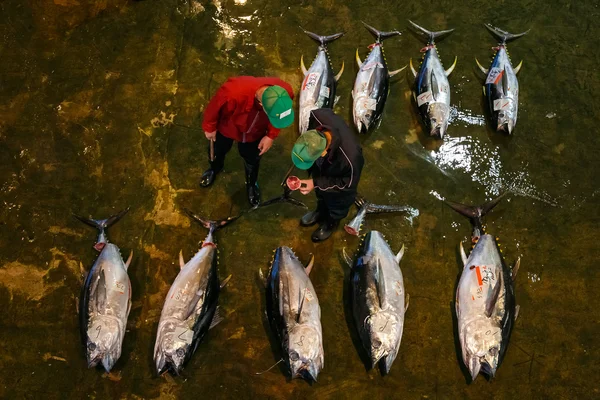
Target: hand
<point>211,135</point>
<point>264,145</point>
<point>306,186</point>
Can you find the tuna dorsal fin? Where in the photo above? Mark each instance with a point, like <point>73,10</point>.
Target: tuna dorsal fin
<point>380,285</point>
<point>518,67</point>
<point>181,262</point>
<point>358,59</point>
<point>339,75</point>
<point>128,262</point>
<point>400,255</point>
<point>434,85</point>
<point>308,268</point>
<point>516,268</point>
<point>492,299</point>
<point>347,258</point>
<point>392,73</point>
<point>449,70</point>
<point>463,255</point>
<point>412,68</point>
<point>302,66</point>
<point>225,281</point>
<point>504,82</point>
<point>484,70</point>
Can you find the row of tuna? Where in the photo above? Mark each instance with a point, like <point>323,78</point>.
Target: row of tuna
<point>485,301</point>
<point>431,90</point>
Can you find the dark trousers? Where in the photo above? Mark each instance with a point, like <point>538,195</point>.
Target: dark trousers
<point>334,204</point>
<point>248,151</point>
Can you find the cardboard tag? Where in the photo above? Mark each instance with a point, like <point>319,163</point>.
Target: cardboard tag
<point>424,97</point>
<point>184,334</point>
<point>502,104</point>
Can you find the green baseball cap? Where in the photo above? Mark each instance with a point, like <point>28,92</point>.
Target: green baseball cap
<point>309,146</point>
<point>278,106</point>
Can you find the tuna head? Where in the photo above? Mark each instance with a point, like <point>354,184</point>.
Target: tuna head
<point>438,115</point>
<point>480,342</point>
<point>173,343</point>
<point>305,352</point>
<point>385,332</point>
<point>104,340</point>
<point>506,120</point>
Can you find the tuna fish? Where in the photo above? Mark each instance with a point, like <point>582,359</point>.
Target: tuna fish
<point>364,208</point>
<point>378,299</point>
<point>318,87</point>
<point>105,299</point>
<point>190,308</point>
<point>372,84</point>
<point>485,297</point>
<point>294,314</point>
<point>501,88</point>
<point>431,92</point>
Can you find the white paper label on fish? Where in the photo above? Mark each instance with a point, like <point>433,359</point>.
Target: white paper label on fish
<point>424,97</point>
<point>324,91</point>
<point>494,75</point>
<point>311,80</point>
<point>502,104</point>
<point>184,334</point>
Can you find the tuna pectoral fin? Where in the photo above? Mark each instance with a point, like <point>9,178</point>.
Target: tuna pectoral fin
<point>400,254</point>
<point>336,100</point>
<point>225,281</point>
<point>302,67</point>
<point>492,299</point>
<point>301,305</point>
<point>518,67</point>
<point>358,59</point>
<point>484,70</point>
<point>347,258</point>
<point>463,255</point>
<point>449,70</point>
<point>515,269</point>
<point>392,73</point>
<point>339,75</point>
<point>217,318</point>
<point>412,68</point>
<point>181,262</point>
<point>517,308</point>
<point>380,285</point>
<point>308,268</point>
<point>128,262</point>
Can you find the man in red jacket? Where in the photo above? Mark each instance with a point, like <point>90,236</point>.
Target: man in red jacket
<point>250,111</point>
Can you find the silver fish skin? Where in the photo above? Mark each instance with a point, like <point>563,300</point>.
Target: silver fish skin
<point>431,91</point>
<point>190,306</point>
<point>319,85</point>
<point>372,83</point>
<point>105,300</point>
<point>294,314</point>
<point>501,88</point>
<point>485,298</point>
<point>378,299</point>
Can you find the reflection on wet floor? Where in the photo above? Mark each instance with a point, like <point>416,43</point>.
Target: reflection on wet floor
<point>100,108</point>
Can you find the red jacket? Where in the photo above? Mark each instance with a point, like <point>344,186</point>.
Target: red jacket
<point>235,113</point>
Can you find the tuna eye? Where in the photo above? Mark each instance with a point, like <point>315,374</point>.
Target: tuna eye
<point>294,356</point>
<point>180,352</point>
<point>376,344</point>
<point>91,346</point>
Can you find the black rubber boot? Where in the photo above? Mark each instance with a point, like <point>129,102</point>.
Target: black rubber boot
<point>208,177</point>
<point>325,229</point>
<point>311,218</point>
<point>252,184</point>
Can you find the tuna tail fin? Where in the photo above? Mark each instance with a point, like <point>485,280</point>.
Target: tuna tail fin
<point>212,226</point>
<point>380,36</point>
<point>323,40</point>
<point>102,224</point>
<point>475,213</point>
<point>503,36</point>
<point>430,36</point>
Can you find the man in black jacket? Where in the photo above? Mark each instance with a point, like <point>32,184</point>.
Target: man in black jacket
<point>332,154</point>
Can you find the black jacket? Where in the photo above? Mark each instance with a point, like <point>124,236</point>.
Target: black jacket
<point>339,170</point>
